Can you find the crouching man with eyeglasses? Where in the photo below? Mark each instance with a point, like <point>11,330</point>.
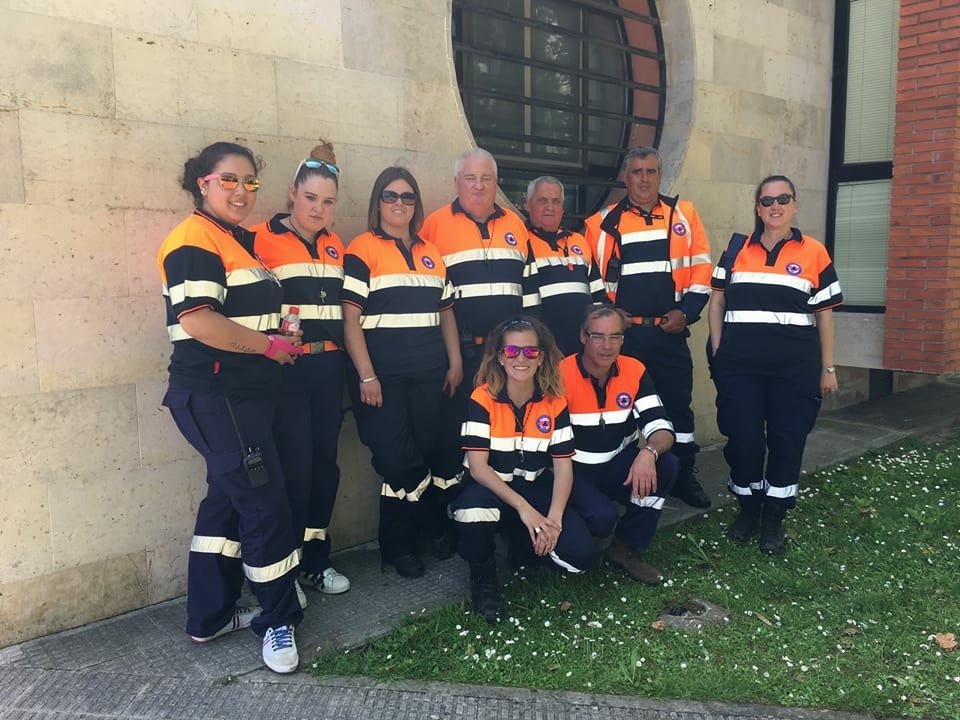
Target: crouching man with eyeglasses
<point>623,440</point>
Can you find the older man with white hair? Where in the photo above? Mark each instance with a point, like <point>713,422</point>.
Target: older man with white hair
<point>484,247</point>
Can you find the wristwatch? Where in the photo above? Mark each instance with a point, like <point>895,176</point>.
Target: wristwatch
<point>830,369</point>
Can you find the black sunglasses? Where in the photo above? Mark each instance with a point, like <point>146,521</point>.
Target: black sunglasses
<point>390,197</point>
<point>768,200</point>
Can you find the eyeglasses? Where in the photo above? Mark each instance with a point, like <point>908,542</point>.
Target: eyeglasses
<point>229,181</point>
<point>530,352</point>
<point>314,164</point>
<point>768,200</point>
<point>600,338</point>
<point>390,197</point>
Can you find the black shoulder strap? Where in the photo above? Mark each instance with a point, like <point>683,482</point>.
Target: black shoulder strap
<point>737,241</point>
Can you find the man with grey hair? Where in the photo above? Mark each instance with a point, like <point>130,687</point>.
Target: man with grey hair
<point>566,278</point>
<point>654,257</point>
<point>484,247</point>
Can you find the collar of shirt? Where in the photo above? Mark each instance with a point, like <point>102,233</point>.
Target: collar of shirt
<point>614,370</point>
<point>277,227</point>
<point>551,238</point>
<point>655,212</point>
<point>537,396</point>
<point>456,207</point>
<point>795,234</point>
<point>240,234</point>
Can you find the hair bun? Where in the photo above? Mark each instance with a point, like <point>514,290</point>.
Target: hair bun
<point>324,152</point>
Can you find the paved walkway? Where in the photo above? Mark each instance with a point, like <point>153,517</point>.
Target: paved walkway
<point>140,665</point>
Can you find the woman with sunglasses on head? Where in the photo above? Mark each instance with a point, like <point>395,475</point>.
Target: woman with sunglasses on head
<point>307,256</point>
<point>402,337</point>
<point>519,445</point>
<point>772,341</point>
<point>223,311</point>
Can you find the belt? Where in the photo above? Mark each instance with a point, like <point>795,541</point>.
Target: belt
<point>646,321</point>
<point>319,347</point>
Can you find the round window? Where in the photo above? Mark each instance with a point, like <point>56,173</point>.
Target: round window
<point>560,87</point>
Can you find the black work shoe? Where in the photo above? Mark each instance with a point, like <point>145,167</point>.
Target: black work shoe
<point>443,545</point>
<point>772,539</point>
<point>408,566</point>
<point>691,492</point>
<point>745,525</point>
<point>484,595</point>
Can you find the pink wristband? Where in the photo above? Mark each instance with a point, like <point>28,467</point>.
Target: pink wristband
<point>277,344</point>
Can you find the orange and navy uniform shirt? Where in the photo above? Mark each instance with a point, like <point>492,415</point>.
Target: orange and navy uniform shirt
<point>566,281</point>
<point>205,263</point>
<point>311,275</point>
<point>770,301</point>
<point>521,442</point>
<point>400,294</point>
<point>652,262</point>
<point>608,418</point>
<point>487,263</point>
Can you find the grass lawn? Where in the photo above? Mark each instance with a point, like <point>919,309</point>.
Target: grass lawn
<point>848,619</point>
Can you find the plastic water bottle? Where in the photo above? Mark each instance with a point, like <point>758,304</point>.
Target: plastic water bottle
<point>291,321</point>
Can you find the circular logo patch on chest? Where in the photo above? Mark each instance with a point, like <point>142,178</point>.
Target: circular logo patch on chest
<point>680,229</point>
<point>510,238</point>
<point>794,269</point>
<point>544,423</point>
<point>623,400</point>
<point>428,262</point>
<point>332,252</point>
<point>575,249</point>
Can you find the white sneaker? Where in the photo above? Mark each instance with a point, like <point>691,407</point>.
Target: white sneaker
<point>242,617</point>
<point>280,649</point>
<point>329,582</point>
<point>301,595</point>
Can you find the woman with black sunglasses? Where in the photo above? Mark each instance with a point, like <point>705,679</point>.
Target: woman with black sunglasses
<point>519,444</point>
<point>772,340</point>
<point>223,311</point>
<point>402,337</point>
<point>307,256</point>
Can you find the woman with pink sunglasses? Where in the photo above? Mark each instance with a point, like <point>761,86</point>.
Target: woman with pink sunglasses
<point>519,444</point>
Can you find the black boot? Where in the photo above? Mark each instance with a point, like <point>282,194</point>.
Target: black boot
<point>772,540</point>
<point>745,526</point>
<point>484,595</point>
<point>687,487</point>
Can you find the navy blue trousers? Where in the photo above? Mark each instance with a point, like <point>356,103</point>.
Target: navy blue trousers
<point>598,491</point>
<point>766,420</point>
<point>402,437</point>
<point>667,358</point>
<point>306,429</point>
<point>240,530</point>
<point>479,514</point>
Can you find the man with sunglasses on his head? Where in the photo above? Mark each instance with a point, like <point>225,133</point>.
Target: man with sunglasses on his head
<point>654,257</point>
<point>484,247</point>
<point>613,404</point>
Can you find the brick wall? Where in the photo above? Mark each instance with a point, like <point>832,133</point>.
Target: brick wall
<point>923,280</point>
